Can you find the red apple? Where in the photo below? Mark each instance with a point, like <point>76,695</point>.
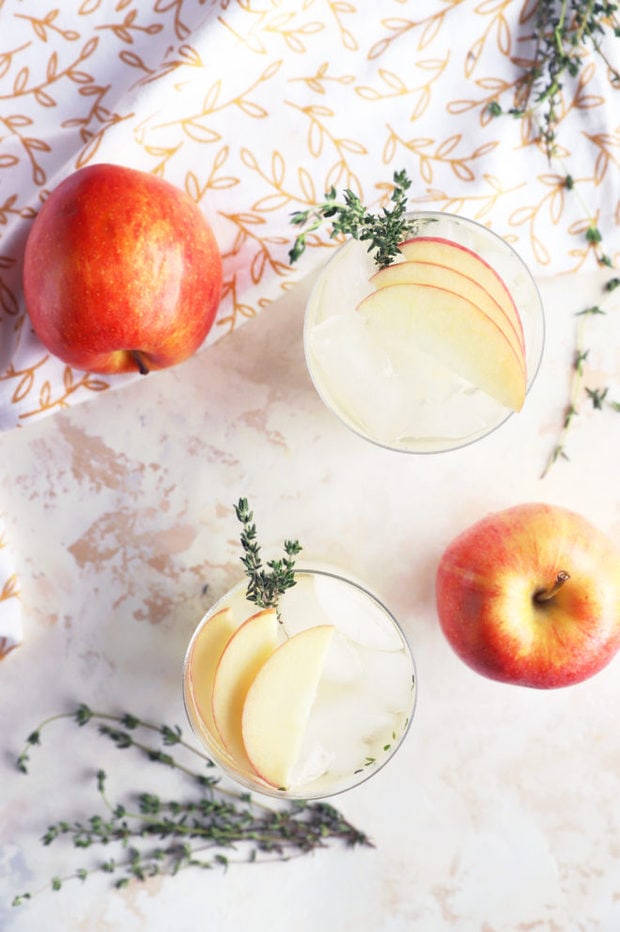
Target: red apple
<point>121,272</point>
<point>531,595</point>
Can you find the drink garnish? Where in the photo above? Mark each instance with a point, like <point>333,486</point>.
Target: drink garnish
<point>265,585</point>
<point>383,231</point>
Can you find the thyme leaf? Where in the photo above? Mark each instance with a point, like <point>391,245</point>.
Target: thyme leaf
<point>383,231</point>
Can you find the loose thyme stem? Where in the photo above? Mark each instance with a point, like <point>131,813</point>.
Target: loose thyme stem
<point>122,739</point>
<point>598,397</point>
<point>83,714</point>
<point>571,411</point>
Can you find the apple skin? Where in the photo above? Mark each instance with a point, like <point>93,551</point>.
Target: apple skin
<point>488,599</point>
<point>453,329</point>
<point>122,272</point>
<point>458,257</point>
<point>205,654</point>
<point>278,702</point>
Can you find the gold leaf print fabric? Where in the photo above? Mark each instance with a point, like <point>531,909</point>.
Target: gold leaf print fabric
<point>10,608</point>
<point>256,107</point>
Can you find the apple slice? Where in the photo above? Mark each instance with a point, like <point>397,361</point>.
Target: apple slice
<point>428,273</point>
<point>454,331</point>
<point>451,255</point>
<point>204,657</point>
<point>278,703</point>
<point>246,651</point>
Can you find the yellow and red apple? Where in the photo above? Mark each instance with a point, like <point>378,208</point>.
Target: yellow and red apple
<point>252,689</point>
<point>432,275</point>
<point>447,301</point>
<point>451,328</point>
<point>122,272</point>
<point>447,254</point>
<point>531,595</point>
<point>278,703</point>
<point>242,657</point>
<point>204,656</point>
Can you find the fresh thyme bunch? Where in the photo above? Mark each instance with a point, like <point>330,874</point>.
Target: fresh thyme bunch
<point>216,827</point>
<point>383,231</point>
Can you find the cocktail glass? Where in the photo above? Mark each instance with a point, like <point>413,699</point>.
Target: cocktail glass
<point>389,390</point>
<point>365,698</point>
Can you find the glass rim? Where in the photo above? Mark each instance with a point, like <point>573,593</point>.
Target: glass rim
<point>254,783</point>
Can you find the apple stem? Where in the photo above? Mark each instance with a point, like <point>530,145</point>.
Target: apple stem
<point>543,595</point>
<point>137,357</point>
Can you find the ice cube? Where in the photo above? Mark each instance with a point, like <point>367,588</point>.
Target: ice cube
<point>388,388</point>
<point>314,761</point>
<point>386,681</point>
<point>344,727</point>
<point>342,663</point>
<point>357,617</point>
<point>345,282</point>
<point>299,607</point>
<point>355,373</point>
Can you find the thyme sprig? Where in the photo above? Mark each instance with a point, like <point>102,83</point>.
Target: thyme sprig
<point>598,397</point>
<point>383,231</point>
<point>214,828</point>
<point>563,32</point>
<point>266,583</point>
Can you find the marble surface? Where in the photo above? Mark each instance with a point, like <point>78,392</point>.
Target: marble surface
<point>499,812</point>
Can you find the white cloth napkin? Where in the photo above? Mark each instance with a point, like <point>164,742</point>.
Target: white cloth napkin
<point>257,108</point>
<point>10,607</point>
